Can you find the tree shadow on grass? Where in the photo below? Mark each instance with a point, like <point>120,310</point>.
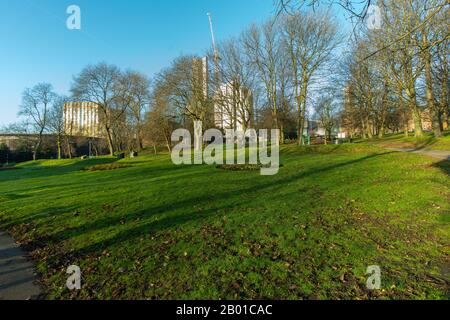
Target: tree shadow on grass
<point>444,165</point>
<point>160,174</point>
<point>36,170</point>
<point>178,219</point>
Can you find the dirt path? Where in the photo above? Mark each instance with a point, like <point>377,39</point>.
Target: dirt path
<point>17,277</point>
<point>438,154</point>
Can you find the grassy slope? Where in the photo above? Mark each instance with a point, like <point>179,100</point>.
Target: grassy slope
<point>428,142</point>
<point>154,230</point>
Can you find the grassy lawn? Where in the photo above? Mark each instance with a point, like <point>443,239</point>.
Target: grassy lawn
<point>146,229</point>
<point>428,142</point>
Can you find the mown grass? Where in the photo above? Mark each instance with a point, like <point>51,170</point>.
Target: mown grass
<point>153,230</point>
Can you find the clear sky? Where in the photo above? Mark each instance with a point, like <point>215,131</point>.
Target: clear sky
<point>145,35</point>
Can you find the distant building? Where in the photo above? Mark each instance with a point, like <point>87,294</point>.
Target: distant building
<point>82,119</point>
<point>199,99</point>
<point>201,76</point>
<point>233,107</point>
<point>314,128</point>
<point>15,141</point>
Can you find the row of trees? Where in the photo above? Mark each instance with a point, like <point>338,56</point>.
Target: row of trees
<point>399,72</point>
<point>282,62</point>
<point>290,65</point>
<point>122,97</point>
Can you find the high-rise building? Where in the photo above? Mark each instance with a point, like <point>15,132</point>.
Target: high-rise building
<point>200,74</point>
<point>233,107</point>
<point>82,119</point>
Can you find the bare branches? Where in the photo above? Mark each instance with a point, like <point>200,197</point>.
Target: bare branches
<point>35,107</point>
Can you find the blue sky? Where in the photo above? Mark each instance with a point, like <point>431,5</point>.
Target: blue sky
<point>144,35</point>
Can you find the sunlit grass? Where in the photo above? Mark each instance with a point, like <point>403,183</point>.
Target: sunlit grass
<point>156,230</point>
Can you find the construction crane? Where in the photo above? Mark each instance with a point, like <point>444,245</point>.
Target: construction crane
<point>216,54</point>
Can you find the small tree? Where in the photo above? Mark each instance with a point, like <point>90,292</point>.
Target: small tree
<point>56,121</point>
<point>327,113</point>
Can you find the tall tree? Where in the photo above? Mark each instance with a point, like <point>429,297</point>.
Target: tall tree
<point>262,47</point>
<point>136,97</point>
<point>101,84</point>
<point>238,75</point>
<point>310,40</point>
<point>35,107</point>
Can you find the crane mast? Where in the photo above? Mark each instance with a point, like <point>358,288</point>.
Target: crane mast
<point>216,54</point>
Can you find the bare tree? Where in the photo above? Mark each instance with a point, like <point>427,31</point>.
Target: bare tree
<point>357,9</point>
<point>327,112</point>
<point>389,88</point>
<point>56,123</point>
<point>428,39</point>
<point>135,96</point>
<point>35,107</point>
<point>441,82</point>
<point>101,84</point>
<point>238,76</point>
<point>185,89</point>
<point>262,48</point>
<point>310,40</point>
<point>160,121</point>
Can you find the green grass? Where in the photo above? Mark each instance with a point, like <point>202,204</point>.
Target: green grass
<point>152,230</point>
<point>428,141</point>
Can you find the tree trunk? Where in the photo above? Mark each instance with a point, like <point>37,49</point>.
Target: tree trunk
<point>37,147</point>
<point>436,123</point>
<point>110,141</point>
<point>417,120</point>
<point>69,148</point>
<point>58,143</point>
<point>299,128</point>
<point>445,123</point>
<point>364,129</point>
<point>382,131</point>
<point>444,98</point>
<point>369,128</point>
<point>418,132</point>
<point>429,88</point>
<point>302,107</point>
<point>168,143</point>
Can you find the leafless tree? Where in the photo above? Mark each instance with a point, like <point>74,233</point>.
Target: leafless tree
<point>101,84</point>
<point>357,9</point>
<point>238,76</point>
<point>35,107</point>
<point>327,111</point>
<point>185,90</point>
<point>56,123</point>
<point>261,45</point>
<point>135,98</point>
<point>310,40</point>
<point>162,118</point>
